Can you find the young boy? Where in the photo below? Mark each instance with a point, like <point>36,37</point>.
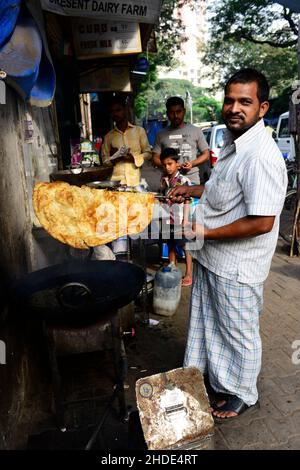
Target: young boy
<point>172,177</point>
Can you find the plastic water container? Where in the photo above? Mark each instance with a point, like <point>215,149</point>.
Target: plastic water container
<point>167,290</point>
<point>120,246</point>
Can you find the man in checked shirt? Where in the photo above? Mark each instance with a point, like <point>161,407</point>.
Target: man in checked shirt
<point>240,206</point>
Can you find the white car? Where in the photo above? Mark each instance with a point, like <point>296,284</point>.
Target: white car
<point>285,140</point>
<point>214,137</point>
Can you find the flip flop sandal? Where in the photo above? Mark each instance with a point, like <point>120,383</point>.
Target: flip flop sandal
<point>213,396</point>
<point>236,405</point>
<point>216,397</point>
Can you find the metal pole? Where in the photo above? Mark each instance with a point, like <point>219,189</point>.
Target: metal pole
<point>89,117</point>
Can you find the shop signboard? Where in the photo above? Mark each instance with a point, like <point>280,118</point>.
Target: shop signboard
<point>140,11</point>
<point>96,38</point>
<point>114,78</point>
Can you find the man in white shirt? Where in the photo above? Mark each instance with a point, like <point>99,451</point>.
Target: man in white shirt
<point>241,205</point>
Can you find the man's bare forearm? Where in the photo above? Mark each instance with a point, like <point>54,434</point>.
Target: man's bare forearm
<point>156,160</point>
<point>180,193</point>
<point>195,190</point>
<point>250,226</point>
<point>202,158</point>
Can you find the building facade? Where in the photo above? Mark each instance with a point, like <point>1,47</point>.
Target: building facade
<point>190,55</point>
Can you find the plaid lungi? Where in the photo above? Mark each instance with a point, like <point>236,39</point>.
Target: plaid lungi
<point>223,335</point>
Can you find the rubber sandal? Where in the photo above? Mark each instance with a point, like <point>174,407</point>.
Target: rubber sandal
<point>213,396</point>
<point>216,398</point>
<point>187,282</point>
<point>237,405</point>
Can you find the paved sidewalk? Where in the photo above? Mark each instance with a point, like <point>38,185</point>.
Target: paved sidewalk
<point>277,424</point>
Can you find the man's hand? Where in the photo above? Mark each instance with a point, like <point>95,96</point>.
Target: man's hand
<point>179,194</point>
<point>188,230</point>
<point>116,160</point>
<point>187,166</point>
<point>129,157</point>
<point>112,151</point>
<point>156,160</point>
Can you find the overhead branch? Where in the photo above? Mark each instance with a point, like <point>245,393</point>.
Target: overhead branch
<point>288,17</point>
<point>249,37</point>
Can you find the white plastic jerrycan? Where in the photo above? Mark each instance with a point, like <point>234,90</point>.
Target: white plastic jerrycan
<point>167,290</point>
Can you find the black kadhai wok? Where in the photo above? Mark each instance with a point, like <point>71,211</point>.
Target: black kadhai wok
<point>79,292</point>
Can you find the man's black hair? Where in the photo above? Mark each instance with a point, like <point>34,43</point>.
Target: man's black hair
<point>118,99</point>
<point>248,76</point>
<point>174,101</point>
<point>169,153</point>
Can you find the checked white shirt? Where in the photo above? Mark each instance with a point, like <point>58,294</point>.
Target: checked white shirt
<point>249,179</point>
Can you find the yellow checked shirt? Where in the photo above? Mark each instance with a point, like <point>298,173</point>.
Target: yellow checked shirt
<point>136,139</point>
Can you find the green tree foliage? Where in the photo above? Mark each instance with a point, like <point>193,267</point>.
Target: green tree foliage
<point>279,65</point>
<point>170,34</point>
<point>279,104</point>
<point>257,21</point>
<point>204,107</point>
<point>257,33</point>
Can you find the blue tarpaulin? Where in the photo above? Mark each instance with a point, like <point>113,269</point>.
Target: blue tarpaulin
<point>9,11</point>
<point>24,55</point>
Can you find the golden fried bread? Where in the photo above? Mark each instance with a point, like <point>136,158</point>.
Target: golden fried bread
<point>84,217</point>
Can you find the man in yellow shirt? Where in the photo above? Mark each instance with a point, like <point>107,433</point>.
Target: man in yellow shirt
<point>127,168</point>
